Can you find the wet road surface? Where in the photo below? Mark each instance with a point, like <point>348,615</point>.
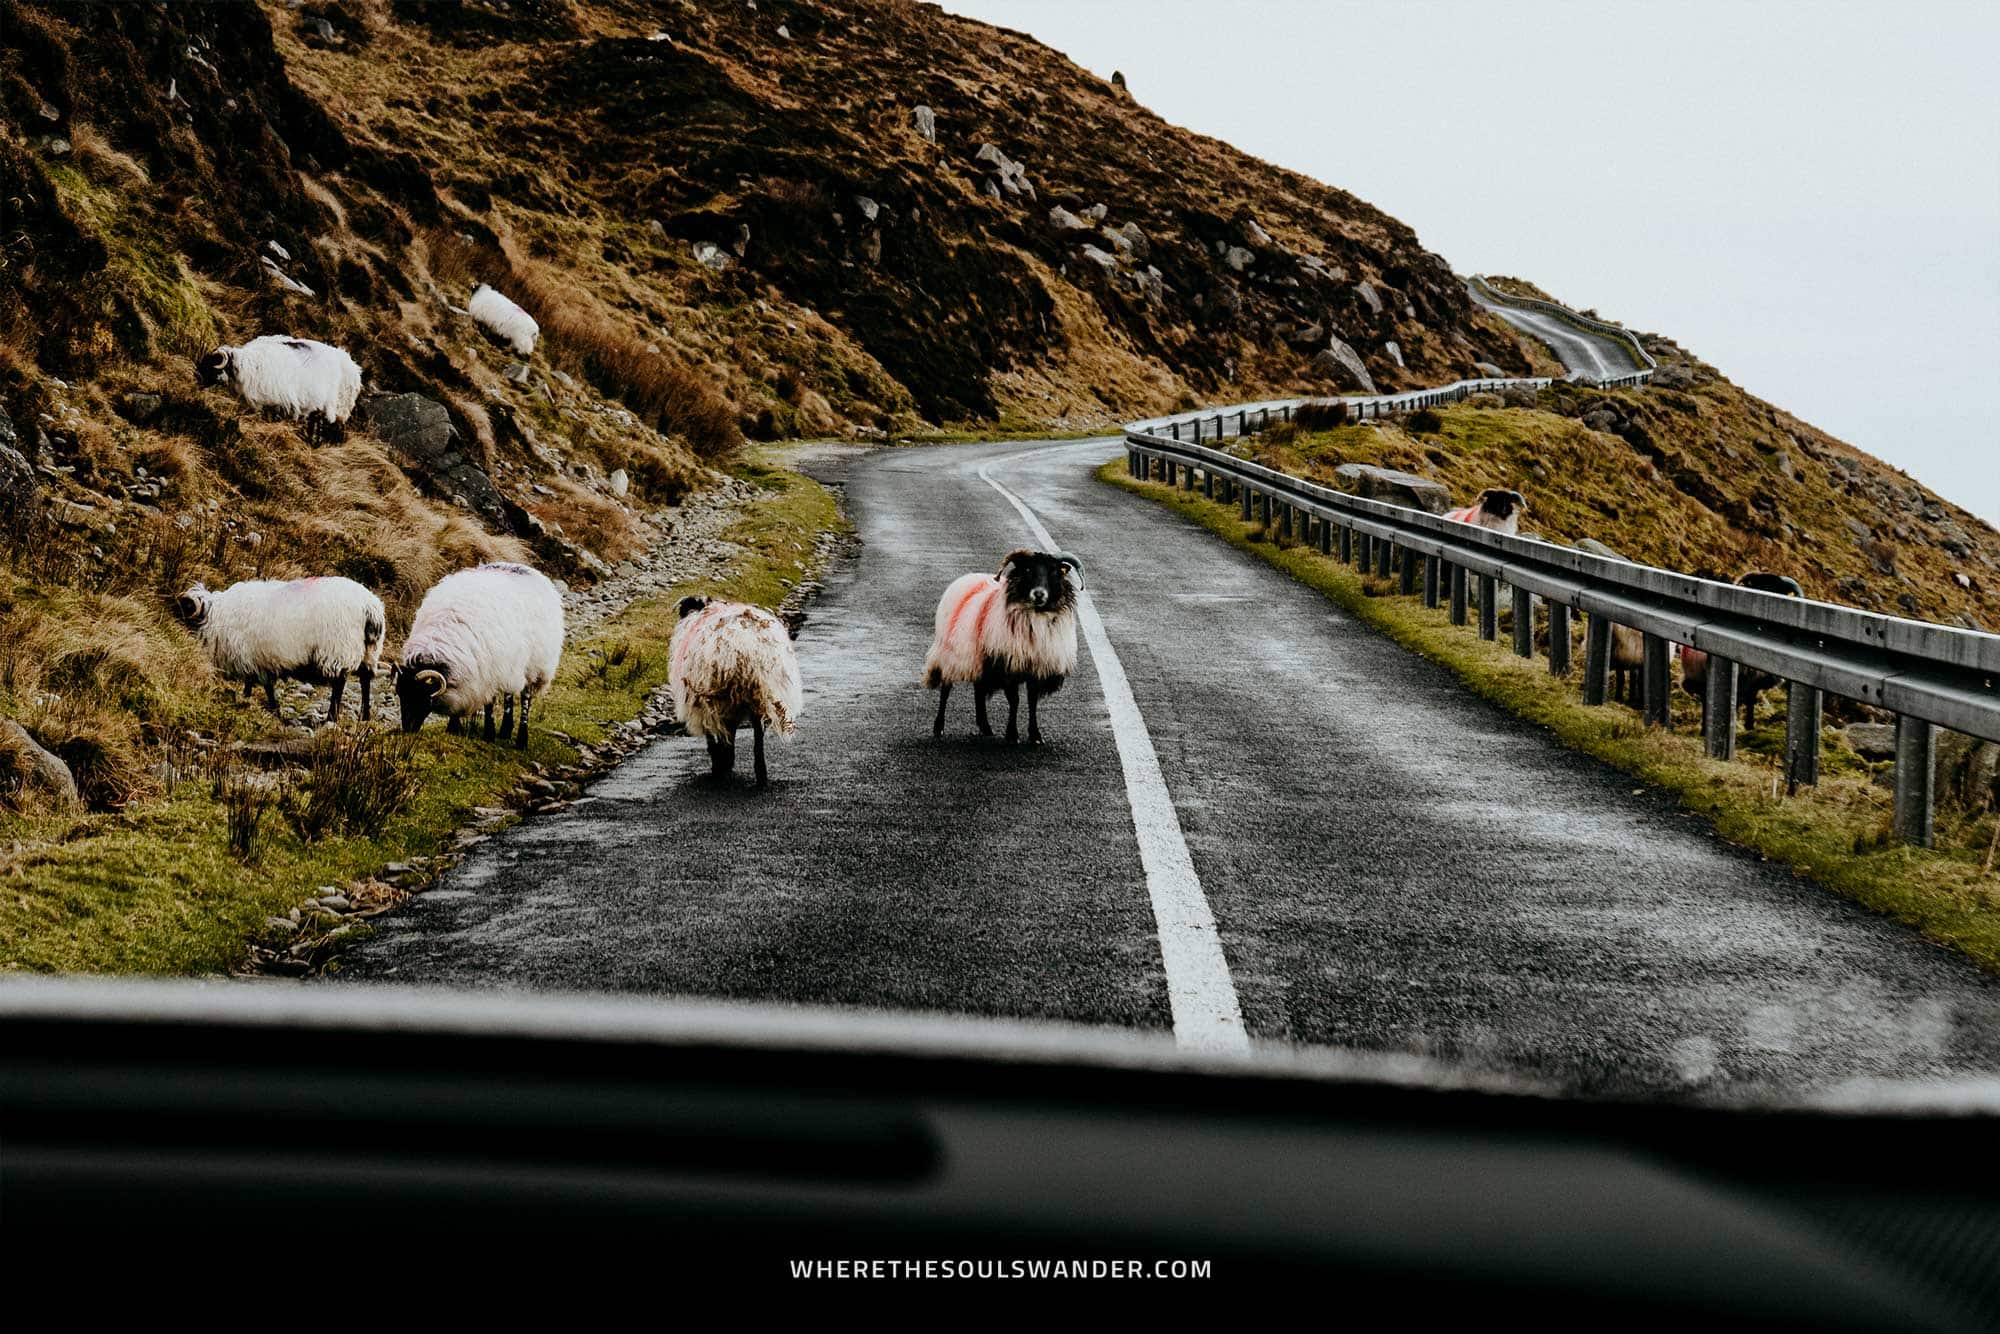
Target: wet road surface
<point>1391,864</point>
<point>1598,355</point>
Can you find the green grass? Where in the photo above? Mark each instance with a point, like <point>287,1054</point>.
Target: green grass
<point>1836,834</point>
<point>155,889</point>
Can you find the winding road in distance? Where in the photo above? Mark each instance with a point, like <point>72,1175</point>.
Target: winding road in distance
<point>1385,862</point>
<point>1579,349</point>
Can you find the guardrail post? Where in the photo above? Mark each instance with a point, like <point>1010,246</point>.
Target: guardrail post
<point>1718,709</point>
<point>1655,683</point>
<point>1383,558</point>
<point>1432,571</point>
<point>1208,483</point>
<point>1174,430</point>
<point>1411,563</point>
<point>1524,623</point>
<point>1285,520</point>
<point>1325,536</point>
<point>1559,645</point>
<point>1243,495</point>
<point>1803,704</point>
<point>1916,773</point>
<point>1458,595</point>
<point>1346,544</point>
<point>1172,472</point>
<point>1596,658</point>
<point>1489,607</point>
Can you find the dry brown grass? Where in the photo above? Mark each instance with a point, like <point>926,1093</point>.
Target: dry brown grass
<point>584,516</point>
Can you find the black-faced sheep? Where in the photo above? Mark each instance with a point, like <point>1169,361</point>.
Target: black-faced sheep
<point>729,664</point>
<point>314,630</point>
<point>481,634</point>
<point>1496,509</point>
<point>296,377</point>
<point>1750,683</point>
<point>1003,631</point>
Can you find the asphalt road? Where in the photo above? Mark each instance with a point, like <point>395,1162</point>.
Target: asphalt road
<point>1599,355</point>
<point>1391,864</point>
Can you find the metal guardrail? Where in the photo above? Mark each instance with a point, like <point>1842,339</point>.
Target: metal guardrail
<point>1928,675</point>
<point>1644,359</point>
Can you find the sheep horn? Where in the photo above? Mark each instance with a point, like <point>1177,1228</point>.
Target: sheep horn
<point>435,680</point>
<point>1075,566</point>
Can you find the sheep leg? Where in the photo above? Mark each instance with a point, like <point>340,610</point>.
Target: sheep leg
<point>979,693</point>
<point>521,737</point>
<point>1013,708</point>
<point>1034,723</point>
<point>333,705</point>
<point>489,720</point>
<point>757,727</point>
<point>944,693</point>
<point>366,679</point>
<point>455,725</point>
<point>250,687</point>
<point>271,693</point>
<point>507,716</point>
<point>722,755</point>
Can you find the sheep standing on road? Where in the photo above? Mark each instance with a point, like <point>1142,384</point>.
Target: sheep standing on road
<point>730,663</point>
<point>504,320</point>
<point>480,634</point>
<point>1002,631</point>
<point>1495,509</point>
<point>1750,683</point>
<point>314,630</point>
<point>296,377</point>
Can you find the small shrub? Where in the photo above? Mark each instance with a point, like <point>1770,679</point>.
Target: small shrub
<point>246,800</point>
<point>1320,416</point>
<point>355,780</point>
<point>1424,421</point>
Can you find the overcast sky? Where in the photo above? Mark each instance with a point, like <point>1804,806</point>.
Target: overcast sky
<point>1806,195</point>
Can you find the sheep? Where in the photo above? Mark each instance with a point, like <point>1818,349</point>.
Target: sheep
<point>730,663</point>
<point>1750,683</point>
<point>480,634</point>
<point>294,376</point>
<point>1495,509</point>
<point>1001,631</point>
<point>315,630</point>
<point>504,320</point>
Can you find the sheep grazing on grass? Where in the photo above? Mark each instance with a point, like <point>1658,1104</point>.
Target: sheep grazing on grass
<point>295,377</point>
<point>1496,509</point>
<point>1750,683</point>
<point>479,635</point>
<point>314,630</point>
<point>729,664</point>
<point>1003,631</point>
<point>504,320</point>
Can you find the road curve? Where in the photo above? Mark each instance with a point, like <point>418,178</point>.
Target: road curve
<point>1391,864</point>
<point>1598,355</point>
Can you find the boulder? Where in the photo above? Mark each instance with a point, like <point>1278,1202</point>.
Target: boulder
<point>1602,419</point>
<point>1393,488</point>
<point>1597,548</point>
<point>740,242</point>
<point>1872,741</point>
<point>1103,259</point>
<point>1489,370</point>
<point>1063,220</point>
<point>1394,351</point>
<point>1239,259</point>
<point>870,210</point>
<point>1096,213</point>
<point>35,767</point>
<point>1338,361</point>
<point>20,489</point>
<point>420,430</point>
<point>925,120</point>
<point>1366,291</point>
<point>1130,241</point>
<point>712,255</point>
<point>621,482</point>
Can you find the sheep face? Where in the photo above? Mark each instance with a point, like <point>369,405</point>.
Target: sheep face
<point>418,685</point>
<point>191,607</point>
<point>1763,582</point>
<point>1500,504</point>
<point>212,369</point>
<point>1041,581</point>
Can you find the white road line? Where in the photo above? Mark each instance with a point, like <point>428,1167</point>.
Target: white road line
<point>1199,989</point>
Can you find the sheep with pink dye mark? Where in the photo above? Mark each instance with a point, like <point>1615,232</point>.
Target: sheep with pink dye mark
<point>729,664</point>
<point>1004,631</point>
<point>1750,683</point>
<point>1496,509</point>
